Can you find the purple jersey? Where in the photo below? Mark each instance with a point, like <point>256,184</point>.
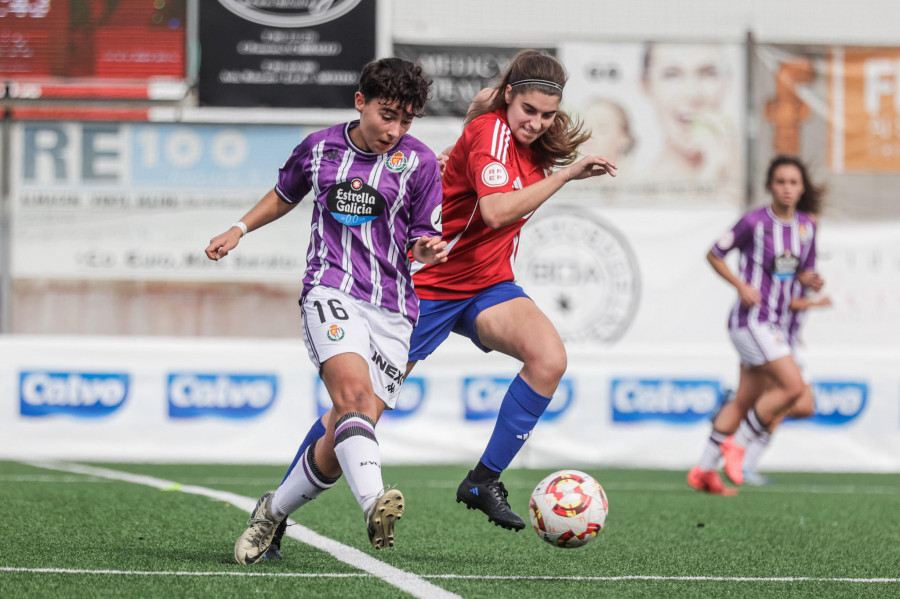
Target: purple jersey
<point>369,210</point>
<point>772,251</point>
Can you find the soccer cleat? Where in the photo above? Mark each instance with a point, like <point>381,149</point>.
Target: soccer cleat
<point>708,481</point>
<point>274,551</point>
<point>490,498</point>
<point>734,461</point>
<point>255,541</point>
<point>380,518</point>
<point>754,478</point>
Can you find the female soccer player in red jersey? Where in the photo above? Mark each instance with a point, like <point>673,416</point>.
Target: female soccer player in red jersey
<point>507,163</point>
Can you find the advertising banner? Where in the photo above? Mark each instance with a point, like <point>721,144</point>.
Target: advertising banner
<point>84,49</point>
<point>637,405</point>
<point>285,54</point>
<point>140,201</point>
<point>458,72</point>
<point>839,109</point>
<point>671,116</point>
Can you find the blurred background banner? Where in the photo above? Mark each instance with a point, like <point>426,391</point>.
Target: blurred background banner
<point>670,115</point>
<point>458,72</point>
<point>139,201</point>
<point>93,49</point>
<point>302,54</point>
<point>839,108</point>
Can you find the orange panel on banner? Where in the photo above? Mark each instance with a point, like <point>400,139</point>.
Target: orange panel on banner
<point>871,92</point>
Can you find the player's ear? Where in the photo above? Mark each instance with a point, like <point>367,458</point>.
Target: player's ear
<point>359,101</point>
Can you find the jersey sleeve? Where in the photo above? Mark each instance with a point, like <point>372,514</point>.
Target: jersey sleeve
<point>488,161</point>
<point>293,176</point>
<point>809,261</point>
<point>735,238</point>
<point>425,201</point>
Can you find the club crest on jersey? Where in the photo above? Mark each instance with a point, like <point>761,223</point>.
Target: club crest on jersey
<point>354,203</point>
<point>396,163</point>
<point>494,175</point>
<point>335,333</point>
<point>786,265</point>
<point>805,233</point>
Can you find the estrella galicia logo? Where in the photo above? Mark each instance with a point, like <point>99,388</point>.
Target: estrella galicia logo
<point>81,394</point>
<point>412,396</point>
<point>838,402</point>
<point>482,397</point>
<point>667,400</point>
<point>354,202</point>
<point>194,395</point>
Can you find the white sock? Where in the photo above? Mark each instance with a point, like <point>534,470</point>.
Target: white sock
<point>755,450</point>
<point>359,456</point>
<point>712,452</point>
<point>302,484</point>
<point>751,428</point>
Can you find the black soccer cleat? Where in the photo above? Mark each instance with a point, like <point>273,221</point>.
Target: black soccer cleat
<point>490,498</point>
<point>274,551</point>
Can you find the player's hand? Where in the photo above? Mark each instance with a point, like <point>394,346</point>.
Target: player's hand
<point>220,245</point>
<point>749,295</point>
<point>443,159</point>
<point>590,166</point>
<point>812,280</point>
<point>430,250</point>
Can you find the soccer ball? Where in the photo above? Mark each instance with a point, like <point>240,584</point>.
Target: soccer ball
<point>568,508</point>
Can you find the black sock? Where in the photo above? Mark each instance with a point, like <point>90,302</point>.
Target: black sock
<point>483,474</point>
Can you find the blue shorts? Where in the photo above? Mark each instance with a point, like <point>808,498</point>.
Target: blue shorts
<point>437,318</point>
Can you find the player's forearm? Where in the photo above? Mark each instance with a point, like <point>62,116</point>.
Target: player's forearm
<point>501,209</point>
<point>271,207</point>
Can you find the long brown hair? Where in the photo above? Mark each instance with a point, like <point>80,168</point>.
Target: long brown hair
<point>558,146</point>
<point>811,200</point>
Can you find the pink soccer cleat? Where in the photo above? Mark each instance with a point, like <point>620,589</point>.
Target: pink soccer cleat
<point>708,481</point>
<point>734,461</point>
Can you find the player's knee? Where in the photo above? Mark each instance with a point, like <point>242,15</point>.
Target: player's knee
<point>353,398</point>
<point>805,406</point>
<point>549,367</point>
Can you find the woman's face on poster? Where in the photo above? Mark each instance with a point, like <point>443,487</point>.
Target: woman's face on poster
<point>687,85</point>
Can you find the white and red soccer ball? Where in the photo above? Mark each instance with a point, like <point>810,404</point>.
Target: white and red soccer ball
<point>568,508</point>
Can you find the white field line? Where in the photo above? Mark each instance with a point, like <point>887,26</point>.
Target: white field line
<point>405,581</point>
<point>468,577</point>
<point>624,486</point>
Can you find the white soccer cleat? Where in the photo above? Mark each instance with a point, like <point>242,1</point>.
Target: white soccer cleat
<point>255,541</point>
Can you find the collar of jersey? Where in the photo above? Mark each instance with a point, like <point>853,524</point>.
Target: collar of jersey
<point>357,149</point>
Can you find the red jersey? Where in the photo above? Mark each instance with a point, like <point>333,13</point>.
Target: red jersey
<point>487,159</point>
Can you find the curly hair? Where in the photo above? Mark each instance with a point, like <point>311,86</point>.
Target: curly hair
<point>811,200</point>
<point>395,80</point>
<point>558,146</point>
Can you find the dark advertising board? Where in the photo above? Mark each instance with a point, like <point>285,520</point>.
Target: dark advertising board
<point>283,53</point>
<point>458,72</point>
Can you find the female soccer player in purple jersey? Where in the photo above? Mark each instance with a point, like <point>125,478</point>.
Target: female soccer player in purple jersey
<point>745,438</point>
<point>777,246</point>
<point>377,198</point>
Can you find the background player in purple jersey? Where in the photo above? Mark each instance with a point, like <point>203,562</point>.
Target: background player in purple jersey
<point>377,198</point>
<point>804,407</point>
<point>777,247</point>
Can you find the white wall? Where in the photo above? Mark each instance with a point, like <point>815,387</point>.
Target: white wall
<point>531,22</point>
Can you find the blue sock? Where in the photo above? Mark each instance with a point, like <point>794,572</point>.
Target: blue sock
<point>316,432</point>
<point>521,408</point>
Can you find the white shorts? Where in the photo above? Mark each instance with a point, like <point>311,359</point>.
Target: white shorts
<point>337,323</point>
<point>760,343</point>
